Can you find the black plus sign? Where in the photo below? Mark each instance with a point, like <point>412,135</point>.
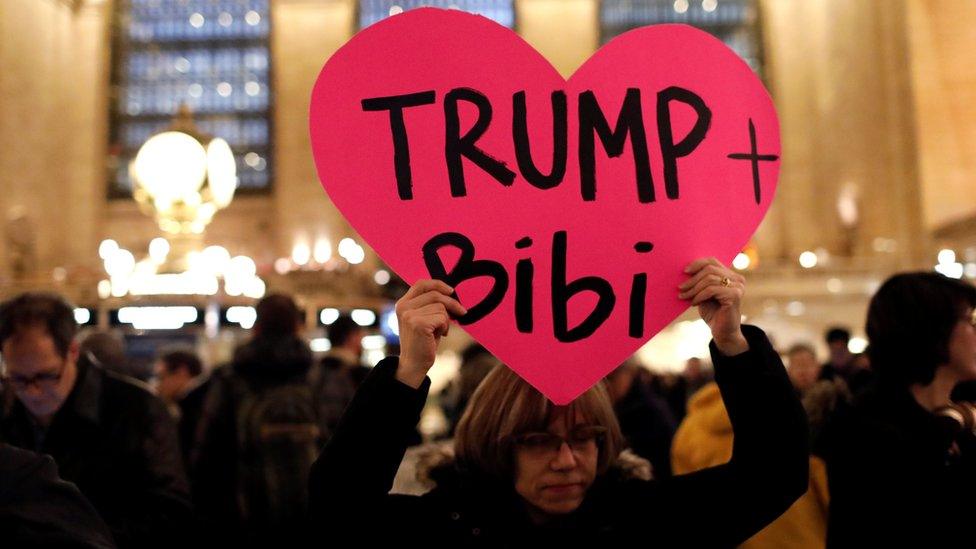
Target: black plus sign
<point>754,157</point>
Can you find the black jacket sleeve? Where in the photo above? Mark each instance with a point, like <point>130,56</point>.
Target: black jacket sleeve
<point>725,505</point>
<point>349,482</point>
<point>38,509</point>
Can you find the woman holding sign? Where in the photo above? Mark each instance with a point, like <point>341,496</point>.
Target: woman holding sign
<point>531,472</point>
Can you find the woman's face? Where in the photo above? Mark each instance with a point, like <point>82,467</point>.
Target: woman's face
<point>962,348</point>
<point>553,470</point>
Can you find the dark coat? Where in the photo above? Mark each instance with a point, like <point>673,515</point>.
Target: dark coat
<point>898,475</point>
<point>648,425</point>
<point>117,442</point>
<point>721,506</point>
<point>38,509</point>
<point>259,364</point>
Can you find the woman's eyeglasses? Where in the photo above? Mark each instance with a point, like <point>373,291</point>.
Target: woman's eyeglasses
<point>578,440</point>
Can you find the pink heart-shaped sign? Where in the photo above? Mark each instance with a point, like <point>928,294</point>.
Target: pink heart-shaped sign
<point>563,211</point>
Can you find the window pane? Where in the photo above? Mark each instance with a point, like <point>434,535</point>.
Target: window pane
<point>500,11</point>
<point>735,22</point>
<point>212,55</point>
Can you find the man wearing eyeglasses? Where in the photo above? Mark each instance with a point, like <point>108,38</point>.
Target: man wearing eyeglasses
<point>108,435</point>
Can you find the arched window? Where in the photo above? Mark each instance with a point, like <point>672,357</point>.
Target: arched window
<point>735,22</point>
<point>212,55</point>
<point>500,11</point>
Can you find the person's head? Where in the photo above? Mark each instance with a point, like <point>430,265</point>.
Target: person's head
<point>551,454</point>
<point>40,354</point>
<point>621,380</point>
<point>837,339</point>
<point>694,369</point>
<point>277,316</point>
<point>175,369</point>
<point>802,366</point>
<point>107,349</point>
<point>344,333</point>
<point>918,323</point>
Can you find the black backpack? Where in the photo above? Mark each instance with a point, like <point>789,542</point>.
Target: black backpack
<point>278,440</point>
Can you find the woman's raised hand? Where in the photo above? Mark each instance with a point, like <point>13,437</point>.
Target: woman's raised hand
<point>424,315</point>
<point>717,292</point>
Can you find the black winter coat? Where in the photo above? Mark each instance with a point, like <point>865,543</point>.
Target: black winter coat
<point>38,509</point>
<point>717,507</point>
<point>117,442</point>
<point>899,476</point>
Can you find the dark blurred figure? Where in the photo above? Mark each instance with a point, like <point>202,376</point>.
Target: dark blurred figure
<point>339,374</point>
<point>645,419</point>
<point>901,462</point>
<point>677,389</point>
<point>476,364</point>
<point>38,509</point>
<point>109,436</point>
<point>842,365</point>
<point>802,367</point>
<point>182,384</point>
<point>258,436</point>
<point>107,349</point>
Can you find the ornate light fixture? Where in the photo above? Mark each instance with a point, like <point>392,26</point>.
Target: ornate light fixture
<point>181,177</point>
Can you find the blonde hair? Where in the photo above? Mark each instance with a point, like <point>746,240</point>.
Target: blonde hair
<point>505,405</point>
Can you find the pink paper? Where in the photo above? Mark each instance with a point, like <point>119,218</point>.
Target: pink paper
<point>428,55</point>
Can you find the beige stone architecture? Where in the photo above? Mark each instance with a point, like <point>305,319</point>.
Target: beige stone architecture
<point>877,101</point>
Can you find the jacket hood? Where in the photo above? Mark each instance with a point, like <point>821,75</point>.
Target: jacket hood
<point>707,407</point>
<point>273,358</point>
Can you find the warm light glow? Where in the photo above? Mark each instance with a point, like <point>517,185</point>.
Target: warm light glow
<point>382,277</point>
<point>372,342</point>
<point>252,88</point>
<point>741,261</point>
<point>857,345</point>
<point>197,20</point>
<point>320,345</point>
<point>947,256</point>
<point>351,251</point>
<point>104,289</point>
<point>120,263</point>
<point>329,315</point>
<point>282,265</point>
<point>157,318</point>
<point>82,316</point>
<point>252,18</point>
<point>170,166</point>
<point>187,283</point>
<point>241,267</point>
<point>808,260</point>
<point>107,248</point>
<point>835,285</point>
<point>245,316</point>
<point>254,288</point>
<point>300,253</point>
<point>396,10</point>
<point>709,5</point>
<point>213,259</point>
<point>323,250</point>
<point>363,317</point>
<point>221,173</point>
<point>680,6</point>
<point>225,19</point>
<point>158,250</point>
<point>951,270</point>
<point>795,308</point>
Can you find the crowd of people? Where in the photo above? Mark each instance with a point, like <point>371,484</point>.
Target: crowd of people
<point>277,447</point>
